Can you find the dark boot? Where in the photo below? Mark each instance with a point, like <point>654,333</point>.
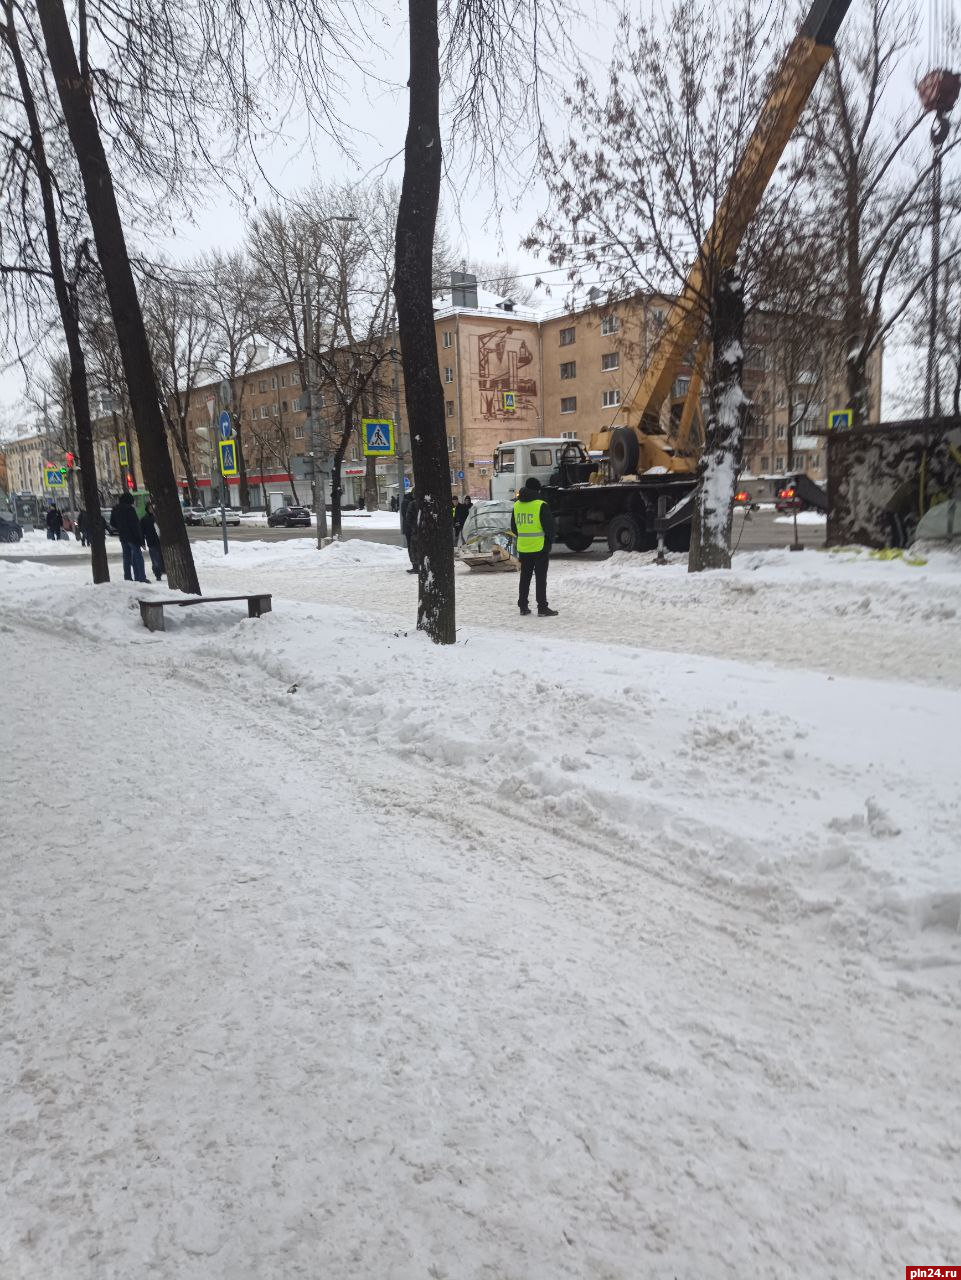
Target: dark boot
<point>525,610</point>
<point>543,611</point>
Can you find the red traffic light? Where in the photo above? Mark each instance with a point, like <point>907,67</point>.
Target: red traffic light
<point>71,460</point>
<point>129,480</point>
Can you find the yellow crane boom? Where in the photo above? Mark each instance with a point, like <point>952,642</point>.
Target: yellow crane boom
<point>796,77</point>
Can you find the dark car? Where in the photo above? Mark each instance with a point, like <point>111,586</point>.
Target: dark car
<point>10,531</point>
<point>289,517</point>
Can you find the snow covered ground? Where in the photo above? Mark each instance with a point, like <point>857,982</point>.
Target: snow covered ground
<point>620,945</point>
<point>36,543</point>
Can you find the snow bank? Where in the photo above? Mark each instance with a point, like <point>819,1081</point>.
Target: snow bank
<point>327,952</point>
<point>36,543</point>
<point>814,794</point>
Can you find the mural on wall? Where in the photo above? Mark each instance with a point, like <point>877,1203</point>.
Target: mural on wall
<point>503,356</point>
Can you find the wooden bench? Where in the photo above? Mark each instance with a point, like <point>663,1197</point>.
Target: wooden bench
<point>152,611</point>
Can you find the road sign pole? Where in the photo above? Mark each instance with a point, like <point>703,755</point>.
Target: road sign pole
<point>223,478</point>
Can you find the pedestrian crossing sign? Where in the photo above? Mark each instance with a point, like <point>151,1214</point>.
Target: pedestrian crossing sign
<point>53,478</point>
<point>228,457</point>
<point>378,437</point>
<point>508,401</point>
<point>123,454</point>
<point>840,419</point>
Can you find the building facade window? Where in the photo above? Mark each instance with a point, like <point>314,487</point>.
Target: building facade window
<point>781,432</point>
<point>262,385</point>
<point>610,324</point>
<point>450,408</point>
<point>295,405</point>
<point>448,337</point>
<point>610,360</point>
<point>299,431</point>
<point>283,379</point>
<point>273,383</point>
<point>275,409</point>
<point>610,398</point>
<point>567,337</point>
<point>295,379</point>
<point>568,404</point>
<point>283,406</point>
<point>568,435</point>
<point>448,373</point>
<point>451,444</point>
<point>264,411</point>
<point>569,369</point>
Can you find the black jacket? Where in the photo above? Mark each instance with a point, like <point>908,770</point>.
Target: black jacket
<point>54,520</point>
<point>408,515</point>
<point>149,526</point>
<point>124,519</point>
<point>548,523</point>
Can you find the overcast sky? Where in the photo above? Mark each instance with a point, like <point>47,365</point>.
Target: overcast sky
<point>376,108</point>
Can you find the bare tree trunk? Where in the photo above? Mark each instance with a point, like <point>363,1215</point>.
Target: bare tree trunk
<point>371,496</point>
<point>423,393</point>
<point>721,459</point>
<point>75,93</point>
<point>69,315</point>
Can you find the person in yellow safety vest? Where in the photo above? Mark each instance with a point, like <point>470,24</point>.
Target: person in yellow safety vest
<point>533,523</point>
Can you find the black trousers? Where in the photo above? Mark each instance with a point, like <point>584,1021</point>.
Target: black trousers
<point>533,565</point>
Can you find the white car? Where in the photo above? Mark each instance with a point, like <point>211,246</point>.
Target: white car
<point>212,516</point>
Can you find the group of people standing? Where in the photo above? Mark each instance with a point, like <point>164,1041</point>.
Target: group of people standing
<point>534,529</point>
<point>137,534</point>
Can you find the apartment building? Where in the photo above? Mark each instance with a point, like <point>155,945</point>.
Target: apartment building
<point>508,372</point>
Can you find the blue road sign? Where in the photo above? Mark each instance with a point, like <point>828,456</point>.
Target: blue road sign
<point>378,437</point>
<point>407,484</point>
<point>226,426</point>
<point>228,458</point>
<point>460,475</point>
<point>840,419</point>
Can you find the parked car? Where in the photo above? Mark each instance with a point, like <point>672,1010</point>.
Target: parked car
<point>10,531</point>
<point>194,515</point>
<point>212,516</point>
<point>289,517</point>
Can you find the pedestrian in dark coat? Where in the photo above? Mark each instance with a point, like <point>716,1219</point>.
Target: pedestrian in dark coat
<point>460,515</point>
<point>148,524</point>
<point>54,524</point>
<point>408,525</point>
<point>124,519</point>
<point>81,528</point>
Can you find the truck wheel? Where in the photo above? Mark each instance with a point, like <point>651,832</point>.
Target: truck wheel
<point>624,452</point>
<point>578,541</point>
<point>624,533</point>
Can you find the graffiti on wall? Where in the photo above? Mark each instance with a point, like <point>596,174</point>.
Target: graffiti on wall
<point>504,363</point>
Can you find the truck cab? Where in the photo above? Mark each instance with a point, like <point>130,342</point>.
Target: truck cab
<point>554,460</point>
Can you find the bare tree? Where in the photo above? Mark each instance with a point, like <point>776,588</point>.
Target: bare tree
<point>504,278</point>
<point>664,178</point>
<point>233,294</point>
<point>355,307</point>
<point>30,161</point>
<point>273,439</point>
<point>873,183</point>
<point>180,327</point>
<point>492,57</point>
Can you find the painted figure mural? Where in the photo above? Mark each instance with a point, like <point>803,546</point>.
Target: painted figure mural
<point>503,365</point>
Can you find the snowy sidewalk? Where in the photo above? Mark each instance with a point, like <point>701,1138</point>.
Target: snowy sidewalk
<point>306,982</point>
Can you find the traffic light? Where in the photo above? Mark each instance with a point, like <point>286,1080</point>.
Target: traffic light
<point>129,480</point>
<point>71,461</point>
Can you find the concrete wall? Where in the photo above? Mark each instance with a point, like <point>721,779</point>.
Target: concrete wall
<point>877,469</point>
